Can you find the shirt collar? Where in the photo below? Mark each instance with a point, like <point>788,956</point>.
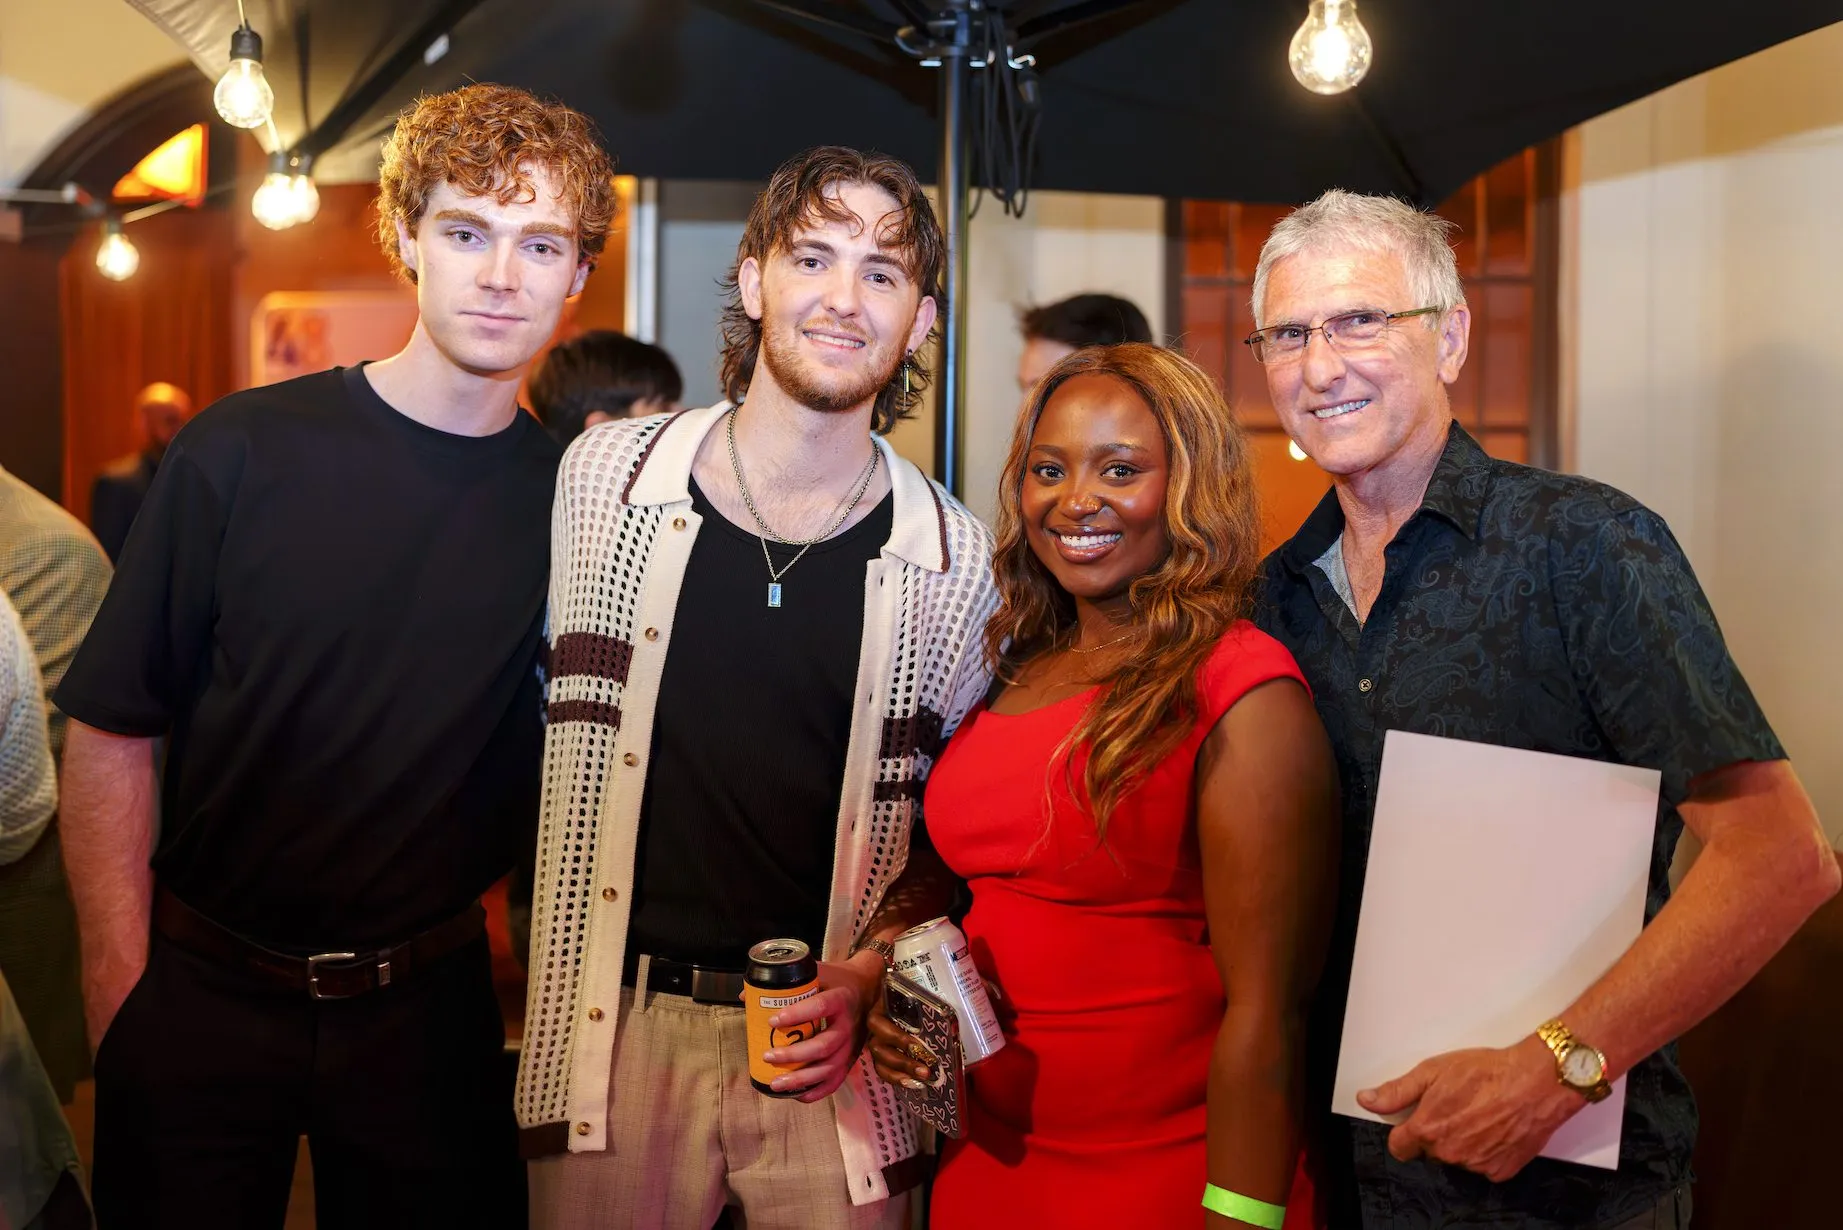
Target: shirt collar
<point>1460,482</point>
<point>1456,494</point>
<point>918,534</point>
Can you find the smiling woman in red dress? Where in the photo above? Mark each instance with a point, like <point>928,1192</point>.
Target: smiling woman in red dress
<point>1145,810</point>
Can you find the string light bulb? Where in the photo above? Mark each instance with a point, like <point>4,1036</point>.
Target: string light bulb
<point>243,95</point>
<point>287,195</point>
<point>301,185</point>
<point>1331,52</point>
<point>116,256</point>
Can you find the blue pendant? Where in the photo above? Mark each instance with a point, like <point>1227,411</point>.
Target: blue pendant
<point>774,594</point>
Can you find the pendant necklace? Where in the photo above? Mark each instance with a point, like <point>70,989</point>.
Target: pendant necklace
<point>764,533</point>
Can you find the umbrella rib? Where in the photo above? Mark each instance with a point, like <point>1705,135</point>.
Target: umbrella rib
<point>1037,27</point>
<point>366,94</point>
<point>1392,150</point>
<point>821,14</point>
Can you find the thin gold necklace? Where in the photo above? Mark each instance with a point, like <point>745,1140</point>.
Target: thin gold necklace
<point>1074,648</point>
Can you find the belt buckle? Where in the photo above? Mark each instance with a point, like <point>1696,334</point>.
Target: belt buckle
<point>313,972</point>
<point>709,986</point>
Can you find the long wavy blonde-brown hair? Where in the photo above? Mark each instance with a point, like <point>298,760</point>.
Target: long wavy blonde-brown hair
<point>1180,609</point>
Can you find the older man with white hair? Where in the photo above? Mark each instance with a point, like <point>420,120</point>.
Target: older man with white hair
<point>1438,590</point>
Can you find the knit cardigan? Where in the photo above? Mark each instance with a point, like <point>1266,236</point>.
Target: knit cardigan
<point>621,536</point>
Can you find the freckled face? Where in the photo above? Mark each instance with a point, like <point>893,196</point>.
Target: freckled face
<point>1093,495</point>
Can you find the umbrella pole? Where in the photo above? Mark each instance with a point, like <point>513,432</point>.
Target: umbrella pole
<point>955,195</point>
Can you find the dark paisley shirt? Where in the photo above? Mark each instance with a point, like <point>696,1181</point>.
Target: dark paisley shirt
<point>1531,610</point>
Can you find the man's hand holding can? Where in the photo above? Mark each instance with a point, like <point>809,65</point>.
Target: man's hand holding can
<point>848,990</point>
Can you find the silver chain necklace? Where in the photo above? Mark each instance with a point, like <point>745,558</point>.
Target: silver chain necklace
<point>764,532</point>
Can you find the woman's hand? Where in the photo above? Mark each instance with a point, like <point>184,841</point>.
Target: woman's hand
<point>900,1057</point>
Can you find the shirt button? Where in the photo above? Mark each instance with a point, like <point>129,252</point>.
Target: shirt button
<point>630,760</point>
<point>652,634</point>
<point>595,1014</point>
<point>678,523</point>
<point>1365,685</point>
<point>583,1129</point>
<point>608,894</point>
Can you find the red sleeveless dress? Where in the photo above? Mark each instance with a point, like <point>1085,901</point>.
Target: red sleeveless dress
<point>1093,1114</point>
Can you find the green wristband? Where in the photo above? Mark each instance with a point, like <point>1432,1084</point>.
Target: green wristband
<point>1243,1208</point>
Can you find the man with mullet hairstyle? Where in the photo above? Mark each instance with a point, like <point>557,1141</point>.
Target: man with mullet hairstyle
<point>764,625</point>
<point>331,605</point>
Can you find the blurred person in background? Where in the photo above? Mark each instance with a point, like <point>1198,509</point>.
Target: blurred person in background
<point>28,779</point>
<point>116,495</point>
<point>1054,331</point>
<point>1145,809</point>
<point>38,1159</point>
<point>332,600</point>
<point>600,376</point>
<point>40,1181</point>
<point>55,575</point>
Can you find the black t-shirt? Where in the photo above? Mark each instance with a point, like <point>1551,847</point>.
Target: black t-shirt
<point>740,820</point>
<point>334,610</point>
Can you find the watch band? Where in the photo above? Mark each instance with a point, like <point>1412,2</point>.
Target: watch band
<point>1561,1042</point>
<point>883,948</point>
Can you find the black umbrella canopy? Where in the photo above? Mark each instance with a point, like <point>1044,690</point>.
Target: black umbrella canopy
<point>1188,98</point>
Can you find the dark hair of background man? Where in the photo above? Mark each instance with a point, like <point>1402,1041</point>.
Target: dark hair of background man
<point>600,371</point>
<point>1086,320</point>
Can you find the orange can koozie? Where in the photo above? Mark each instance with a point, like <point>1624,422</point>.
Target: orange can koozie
<point>780,974</point>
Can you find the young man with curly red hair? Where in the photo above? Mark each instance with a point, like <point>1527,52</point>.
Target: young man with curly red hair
<point>330,606</point>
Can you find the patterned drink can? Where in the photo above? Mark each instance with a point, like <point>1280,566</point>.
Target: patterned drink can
<point>780,974</point>
<point>935,955</point>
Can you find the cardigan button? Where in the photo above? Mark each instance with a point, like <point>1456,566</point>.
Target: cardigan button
<point>630,760</point>
<point>583,1129</point>
<point>652,634</point>
<point>595,1014</point>
<point>608,894</point>
<point>678,523</point>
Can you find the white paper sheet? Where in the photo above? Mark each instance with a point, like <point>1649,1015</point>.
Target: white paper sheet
<point>1501,884</point>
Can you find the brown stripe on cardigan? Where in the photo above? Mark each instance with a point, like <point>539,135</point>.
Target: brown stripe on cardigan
<point>896,791</point>
<point>918,734</point>
<point>599,712</point>
<point>591,653</point>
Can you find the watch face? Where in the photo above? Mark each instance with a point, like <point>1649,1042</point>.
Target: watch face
<point>1581,1067</point>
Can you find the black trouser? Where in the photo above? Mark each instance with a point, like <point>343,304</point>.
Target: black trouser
<point>205,1084</point>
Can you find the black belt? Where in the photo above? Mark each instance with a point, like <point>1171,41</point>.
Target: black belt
<point>701,983</point>
<point>326,975</point>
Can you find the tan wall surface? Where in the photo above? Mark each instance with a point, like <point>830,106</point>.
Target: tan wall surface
<point>1705,357</point>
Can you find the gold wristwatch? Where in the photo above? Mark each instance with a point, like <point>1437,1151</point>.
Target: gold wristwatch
<point>1578,1066</point>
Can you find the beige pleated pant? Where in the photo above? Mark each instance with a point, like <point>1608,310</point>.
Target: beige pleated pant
<point>688,1134</point>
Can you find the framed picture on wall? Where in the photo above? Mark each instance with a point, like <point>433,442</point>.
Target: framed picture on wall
<point>293,333</point>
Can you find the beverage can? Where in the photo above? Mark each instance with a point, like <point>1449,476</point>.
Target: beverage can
<point>935,955</point>
<point>780,974</point>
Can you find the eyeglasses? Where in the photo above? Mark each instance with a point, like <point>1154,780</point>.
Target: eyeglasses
<point>1349,333</point>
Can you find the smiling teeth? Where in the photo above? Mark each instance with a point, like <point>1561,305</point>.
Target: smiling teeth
<point>1083,541</point>
<point>843,343</point>
<point>1339,410</point>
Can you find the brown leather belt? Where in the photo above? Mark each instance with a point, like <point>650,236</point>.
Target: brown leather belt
<point>325,975</point>
<point>700,983</point>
